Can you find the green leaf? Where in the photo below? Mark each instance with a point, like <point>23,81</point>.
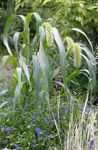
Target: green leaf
<point>6,30</point>
<point>80,31</point>
<point>44,64</point>
<point>38,18</point>
<point>15,41</point>
<point>25,67</point>
<point>92,80</point>
<point>8,58</point>
<point>92,63</point>
<point>36,70</point>
<point>3,92</point>
<point>62,53</point>
<point>72,75</point>
<point>46,1</point>
<point>3,104</point>
<point>18,87</point>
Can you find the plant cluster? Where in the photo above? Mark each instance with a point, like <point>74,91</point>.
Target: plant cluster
<point>42,108</point>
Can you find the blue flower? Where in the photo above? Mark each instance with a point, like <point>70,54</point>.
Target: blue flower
<point>17,146</point>
<point>41,138</point>
<point>34,143</point>
<point>44,120</point>
<point>60,117</point>
<point>49,136</point>
<point>92,142</point>
<point>34,120</point>
<point>2,86</point>
<point>53,121</point>
<point>2,115</point>
<point>2,128</point>
<point>65,110</point>
<point>8,76</point>
<point>38,130</point>
<point>9,129</point>
<point>38,112</point>
<point>6,141</point>
<point>8,68</point>
<point>33,116</point>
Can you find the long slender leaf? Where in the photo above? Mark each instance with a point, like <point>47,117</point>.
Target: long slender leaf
<point>43,60</point>
<point>38,18</point>
<point>62,54</point>
<point>15,41</point>
<point>90,68</point>
<point>80,31</point>
<point>8,58</point>
<point>6,30</point>
<point>3,104</point>
<point>25,67</point>
<point>36,70</point>
<point>92,61</point>
<point>18,87</point>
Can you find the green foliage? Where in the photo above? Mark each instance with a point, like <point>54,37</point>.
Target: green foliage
<point>42,41</point>
<point>34,82</point>
<point>68,14</point>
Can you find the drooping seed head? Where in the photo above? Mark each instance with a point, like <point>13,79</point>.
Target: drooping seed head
<point>77,55</point>
<point>49,35</point>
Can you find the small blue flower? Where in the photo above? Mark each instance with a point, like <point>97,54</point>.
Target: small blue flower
<point>6,141</point>
<point>49,136</point>
<point>53,121</point>
<point>8,76</point>
<point>41,138</point>
<point>34,120</point>
<point>38,112</point>
<point>92,142</point>
<point>33,116</point>
<point>60,117</point>
<point>17,146</point>
<point>38,130</point>
<point>2,115</point>
<point>9,130</point>
<point>2,128</point>
<point>35,141</point>
<point>65,110</point>
<point>2,86</point>
<point>55,114</point>
<point>34,145</point>
<point>8,68</point>
<point>44,120</point>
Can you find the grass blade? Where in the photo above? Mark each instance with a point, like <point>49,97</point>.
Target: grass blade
<point>62,54</point>
<point>15,41</point>
<point>80,31</point>
<point>36,68</point>
<point>6,30</point>
<point>25,67</point>
<point>18,87</point>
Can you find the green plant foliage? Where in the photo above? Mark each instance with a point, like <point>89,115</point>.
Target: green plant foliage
<point>67,14</point>
<point>40,61</point>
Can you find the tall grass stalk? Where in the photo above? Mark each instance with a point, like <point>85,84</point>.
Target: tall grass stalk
<point>80,134</point>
